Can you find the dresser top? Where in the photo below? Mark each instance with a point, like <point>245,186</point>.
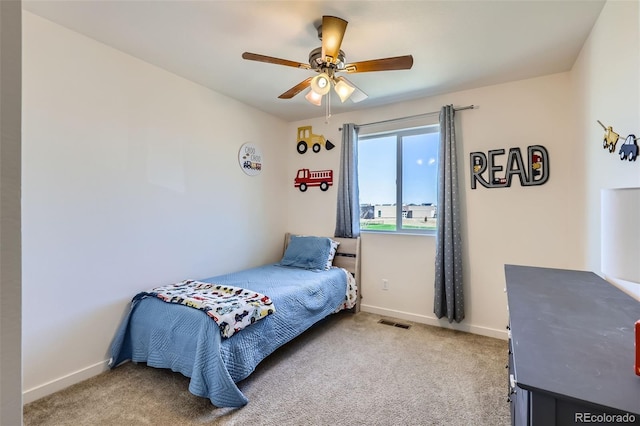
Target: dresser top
<point>572,335</point>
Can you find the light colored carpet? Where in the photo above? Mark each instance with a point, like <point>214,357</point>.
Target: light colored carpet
<point>347,370</point>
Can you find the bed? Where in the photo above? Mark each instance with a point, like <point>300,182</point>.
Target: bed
<point>298,291</point>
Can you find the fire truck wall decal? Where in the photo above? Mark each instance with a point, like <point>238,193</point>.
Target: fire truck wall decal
<point>628,149</point>
<point>306,178</point>
<point>307,139</point>
<point>486,171</point>
<point>250,159</point>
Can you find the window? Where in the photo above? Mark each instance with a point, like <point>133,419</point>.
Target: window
<point>397,178</point>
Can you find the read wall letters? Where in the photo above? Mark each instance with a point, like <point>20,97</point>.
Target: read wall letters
<point>486,169</point>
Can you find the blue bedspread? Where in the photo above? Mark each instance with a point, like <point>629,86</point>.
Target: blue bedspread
<point>186,340</point>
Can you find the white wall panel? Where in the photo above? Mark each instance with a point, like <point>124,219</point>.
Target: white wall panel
<point>606,87</point>
<point>526,225</point>
<point>131,180</point>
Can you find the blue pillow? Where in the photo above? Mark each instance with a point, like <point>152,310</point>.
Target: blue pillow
<point>307,252</point>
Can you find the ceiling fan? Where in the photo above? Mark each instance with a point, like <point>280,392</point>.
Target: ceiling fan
<point>328,60</point>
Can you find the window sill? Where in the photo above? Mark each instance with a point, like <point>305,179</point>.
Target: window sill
<point>418,234</point>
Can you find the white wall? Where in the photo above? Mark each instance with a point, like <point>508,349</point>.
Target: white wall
<point>130,180</point>
<point>606,87</point>
<point>10,294</point>
<point>521,225</point>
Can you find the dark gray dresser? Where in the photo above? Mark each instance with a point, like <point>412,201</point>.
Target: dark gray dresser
<point>571,349</point>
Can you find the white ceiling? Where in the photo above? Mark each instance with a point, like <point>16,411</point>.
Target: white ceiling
<point>456,45</point>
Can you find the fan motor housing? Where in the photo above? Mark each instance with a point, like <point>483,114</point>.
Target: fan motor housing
<point>317,63</point>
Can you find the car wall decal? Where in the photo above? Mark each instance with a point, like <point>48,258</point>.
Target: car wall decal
<point>628,149</point>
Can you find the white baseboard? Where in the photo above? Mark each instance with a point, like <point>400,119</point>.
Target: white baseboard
<point>56,385</point>
<point>423,319</point>
<point>629,287</point>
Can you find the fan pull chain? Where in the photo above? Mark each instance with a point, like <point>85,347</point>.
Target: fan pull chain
<point>328,108</point>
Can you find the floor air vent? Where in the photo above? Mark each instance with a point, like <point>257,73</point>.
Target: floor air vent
<point>394,324</point>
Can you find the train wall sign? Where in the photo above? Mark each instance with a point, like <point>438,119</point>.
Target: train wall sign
<point>491,170</point>
<point>250,159</point>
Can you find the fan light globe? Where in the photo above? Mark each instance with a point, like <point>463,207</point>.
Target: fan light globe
<point>343,90</point>
<point>321,84</point>
<point>314,98</point>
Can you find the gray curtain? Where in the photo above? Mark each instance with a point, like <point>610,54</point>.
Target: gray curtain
<point>348,212</point>
<point>449,300</point>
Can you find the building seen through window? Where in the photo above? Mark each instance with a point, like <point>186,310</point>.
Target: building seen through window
<point>397,177</point>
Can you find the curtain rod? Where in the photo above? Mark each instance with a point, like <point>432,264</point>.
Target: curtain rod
<point>410,117</point>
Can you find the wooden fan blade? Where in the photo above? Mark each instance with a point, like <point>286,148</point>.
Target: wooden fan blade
<point>385,64</point>
<point>271,60</point>
<point>296,89</point>
<point>357,95</point>
<point>332,34</point>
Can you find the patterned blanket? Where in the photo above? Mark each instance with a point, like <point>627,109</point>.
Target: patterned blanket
<point>232,308</point>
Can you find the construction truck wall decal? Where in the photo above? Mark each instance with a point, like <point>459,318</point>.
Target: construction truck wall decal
<point>307,139</point>
<point>629,149</point>
<point>306,178</point>
<point>610,138</point>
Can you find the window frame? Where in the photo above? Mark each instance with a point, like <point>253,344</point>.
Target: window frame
<point>399,135</point>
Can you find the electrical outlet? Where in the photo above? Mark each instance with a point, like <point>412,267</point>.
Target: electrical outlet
<point>385,284</point>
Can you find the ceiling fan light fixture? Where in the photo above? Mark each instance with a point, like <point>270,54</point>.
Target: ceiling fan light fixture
<point>321,84</point>
<point>328,60</point>
<point>314,98</point>
<point>358,96</point>
<point>344,90</point>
